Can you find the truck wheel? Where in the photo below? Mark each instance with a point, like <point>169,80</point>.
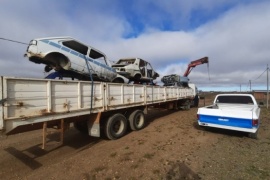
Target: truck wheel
<point>82,127</point>
<point>136,120</point>
<point>116,126</point>
<point>187,107</point>
<point>252,135</point>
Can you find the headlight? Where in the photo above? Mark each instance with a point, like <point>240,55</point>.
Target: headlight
<point>33,42</point>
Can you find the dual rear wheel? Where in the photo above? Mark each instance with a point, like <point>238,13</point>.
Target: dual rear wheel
<point>116,126</point>
<point>136,120</point>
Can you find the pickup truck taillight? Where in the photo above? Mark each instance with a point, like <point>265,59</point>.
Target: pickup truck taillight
<point>255,122</point>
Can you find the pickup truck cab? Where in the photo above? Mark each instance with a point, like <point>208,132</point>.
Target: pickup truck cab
<point>239,112</point>
<point>71,58</point>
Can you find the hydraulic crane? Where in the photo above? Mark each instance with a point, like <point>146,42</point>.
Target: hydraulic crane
<point>195,63</point>
<point>177,80</point>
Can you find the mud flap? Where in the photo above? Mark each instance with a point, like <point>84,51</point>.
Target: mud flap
<point>94,129</point>
<point>93,125</point>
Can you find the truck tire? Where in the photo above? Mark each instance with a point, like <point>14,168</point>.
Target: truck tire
<point>136,120</point>
<point>116,126</point>
<point>253,135</point>
<point>187,107</point>
<point>82,127</point>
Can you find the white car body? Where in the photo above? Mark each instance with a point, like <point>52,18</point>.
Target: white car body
<point>135,69</point>
<point>70,56</point>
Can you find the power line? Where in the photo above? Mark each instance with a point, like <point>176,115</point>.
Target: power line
<point>13,41</point>
<point>260,75</point>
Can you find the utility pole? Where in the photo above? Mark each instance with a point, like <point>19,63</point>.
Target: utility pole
<point>240,87</point>
<point>250,85</point>
<point>267,98</point>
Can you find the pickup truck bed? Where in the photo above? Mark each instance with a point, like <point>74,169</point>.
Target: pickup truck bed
<point>239,117</point>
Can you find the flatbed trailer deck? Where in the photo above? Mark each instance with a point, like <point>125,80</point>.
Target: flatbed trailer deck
<point>28,103</point>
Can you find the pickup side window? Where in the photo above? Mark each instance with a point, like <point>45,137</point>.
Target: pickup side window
<point>76,46</point>
<point>235,99</point>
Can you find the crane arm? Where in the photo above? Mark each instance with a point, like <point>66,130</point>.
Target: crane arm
<point>195,63</point>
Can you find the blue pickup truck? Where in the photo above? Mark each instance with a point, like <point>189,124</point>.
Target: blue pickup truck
<point>239,112</point>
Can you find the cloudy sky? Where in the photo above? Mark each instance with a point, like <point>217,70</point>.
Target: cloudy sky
<point>234,34</point>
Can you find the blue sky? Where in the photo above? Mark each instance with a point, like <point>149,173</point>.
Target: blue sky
<point>234,34</point>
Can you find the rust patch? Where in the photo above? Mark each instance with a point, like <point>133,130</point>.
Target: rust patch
<point>19,104</point>
<point>45,112</point>
<point>38,55</point>
<point>97,99</point>
<point>65,105</point>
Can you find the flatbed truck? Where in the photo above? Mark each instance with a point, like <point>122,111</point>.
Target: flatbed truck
<point>28,104</point>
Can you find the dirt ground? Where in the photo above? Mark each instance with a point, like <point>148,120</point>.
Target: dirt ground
<point>171,146</point>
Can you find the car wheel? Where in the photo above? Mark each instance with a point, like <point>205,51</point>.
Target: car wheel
<point>253,135</point>
<point>137,77</point>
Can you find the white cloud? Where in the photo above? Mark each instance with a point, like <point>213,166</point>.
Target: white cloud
<point>236,42</point>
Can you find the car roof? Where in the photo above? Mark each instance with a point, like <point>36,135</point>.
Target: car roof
<point>68,38</point>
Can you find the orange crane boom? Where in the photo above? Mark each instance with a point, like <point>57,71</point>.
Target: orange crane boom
<point>195,63</point>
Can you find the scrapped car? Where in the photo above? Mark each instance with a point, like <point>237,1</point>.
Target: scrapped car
<point>175,80</point>
<point>71,58</point>
<point>135,69</point>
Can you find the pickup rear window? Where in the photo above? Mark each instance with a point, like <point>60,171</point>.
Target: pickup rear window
<point>235,99</point>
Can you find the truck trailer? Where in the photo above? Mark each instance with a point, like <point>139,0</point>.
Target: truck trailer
<point>29,104</point>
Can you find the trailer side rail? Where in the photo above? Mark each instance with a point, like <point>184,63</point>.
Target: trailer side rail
<point>29,101</point>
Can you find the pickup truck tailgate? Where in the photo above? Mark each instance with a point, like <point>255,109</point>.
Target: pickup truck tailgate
<point>227,117</point>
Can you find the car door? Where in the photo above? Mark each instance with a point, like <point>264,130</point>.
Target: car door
<point>100,66</point>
